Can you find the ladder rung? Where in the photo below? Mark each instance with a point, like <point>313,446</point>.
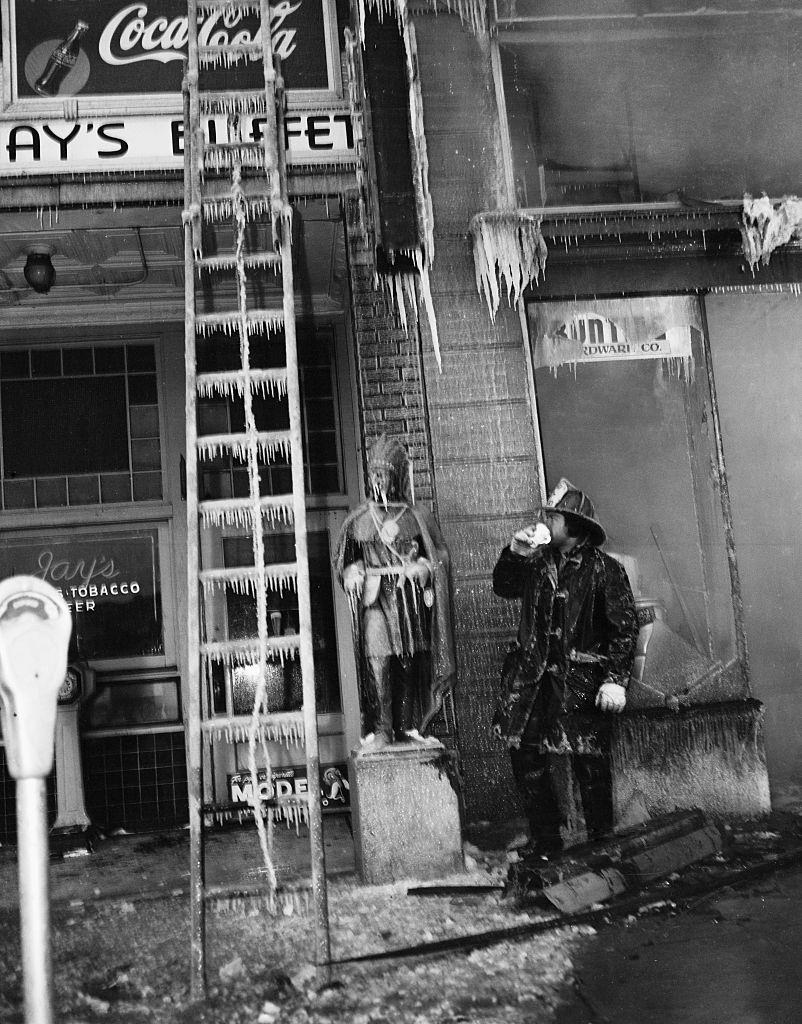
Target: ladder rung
<point>244,101</point>
<point>239,511</point>
<point>282,895</point>
<point>259,319</point>
<point>223,157</point>
<point>235,6</point>
<point>230,382</point>
<point>284,726</point>
<point>269,443</point>
<point>245,579</point>
<point>251,260</point>
<point>247,652</point>
<point>231,53</point>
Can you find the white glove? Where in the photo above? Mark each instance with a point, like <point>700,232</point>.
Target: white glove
<point>419,571</point>
<point>354,577</point>
<point>526,541</point>
<point>611,697</point>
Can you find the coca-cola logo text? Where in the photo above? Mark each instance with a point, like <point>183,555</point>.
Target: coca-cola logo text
<point>130,37</point>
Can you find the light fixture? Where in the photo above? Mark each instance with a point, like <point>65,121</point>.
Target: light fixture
<point>39,270</point>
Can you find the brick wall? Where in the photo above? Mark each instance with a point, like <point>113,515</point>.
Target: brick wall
<point>389,371</point>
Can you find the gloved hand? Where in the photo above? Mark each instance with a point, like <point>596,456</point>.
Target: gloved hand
<point>354,577</point>
<point>611,697</point>
<point>526,541</point>
<point>419,571</point>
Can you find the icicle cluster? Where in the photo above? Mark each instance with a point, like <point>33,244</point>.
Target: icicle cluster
<point>247,652</point>
<point>230,8</point>
<point>403,287</point>
<point>285,727</point>
<point>219,207</point>
<point>221,156</point>
<point>230,382</point>
<point>257,321</point>
<point>229,56</point>
<point>242,101</point>
<point>470,12</point>
<point>509,254</point>
<point>766,225</point>
<point>790,287</point>
<point>238,511</point>
<point>244,580</point>
<point>657,741</point>
<point>268,444</point>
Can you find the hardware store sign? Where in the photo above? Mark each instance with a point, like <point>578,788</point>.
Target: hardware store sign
<point>124,57</point>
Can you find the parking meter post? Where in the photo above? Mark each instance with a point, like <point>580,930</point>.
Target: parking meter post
<point>32,856</point>
<point>35,628</point>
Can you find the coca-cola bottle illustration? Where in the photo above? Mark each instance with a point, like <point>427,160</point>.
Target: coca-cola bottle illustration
<point>60,62</point>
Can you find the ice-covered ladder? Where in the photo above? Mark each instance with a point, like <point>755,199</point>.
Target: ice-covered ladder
<point>235,181</point>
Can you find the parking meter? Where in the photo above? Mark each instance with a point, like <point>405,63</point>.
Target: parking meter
<point>35,629</point>
<point>34,633</point>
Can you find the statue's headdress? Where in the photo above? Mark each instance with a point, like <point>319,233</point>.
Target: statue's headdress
<point>389,453</point>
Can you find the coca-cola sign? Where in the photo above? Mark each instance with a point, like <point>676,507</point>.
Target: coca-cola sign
<point>126,48</point>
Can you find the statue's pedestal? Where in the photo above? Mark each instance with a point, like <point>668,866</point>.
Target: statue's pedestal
<point>405,813</point>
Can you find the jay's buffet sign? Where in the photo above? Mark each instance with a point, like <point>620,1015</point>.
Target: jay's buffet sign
<point>113,103</point>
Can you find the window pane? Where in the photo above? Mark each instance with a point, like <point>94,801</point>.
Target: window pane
<point>51,492</point>
<point>140,358</point>
<point>83,490</point>
<point>115,487</point>
<point>19,494</point>
<point>147,486</point>
<point>142,389</point>
<point>144,421</point>
<point>110,580</point>
<point>126,703</point>
<point>77,361</point>
<point>63,426</point>
<point>46,362</point>
<point>608,420</point>
<point>284,681</point>
<point>109,359</point>
<point>14,364</point>
<point>606,120</point>
<point>145,455</point>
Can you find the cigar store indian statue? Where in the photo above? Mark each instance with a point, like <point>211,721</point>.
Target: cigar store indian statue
<point>394,566</point>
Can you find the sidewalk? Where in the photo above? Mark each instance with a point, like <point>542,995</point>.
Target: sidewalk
<point>121,943</point>
<point>147,865</point>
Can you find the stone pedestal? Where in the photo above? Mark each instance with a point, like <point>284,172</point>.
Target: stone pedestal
<point>405,814</point>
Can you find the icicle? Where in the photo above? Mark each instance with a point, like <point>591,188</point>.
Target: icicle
<point>470,12</point>
<point>508,250</point>
<point>229,383</point>
<point>260,321</point>
<point>766,225</point>
<point>268,444</point>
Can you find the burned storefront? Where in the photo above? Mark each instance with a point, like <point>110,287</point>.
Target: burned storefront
<point>617,158</point>
<point>521,247</point>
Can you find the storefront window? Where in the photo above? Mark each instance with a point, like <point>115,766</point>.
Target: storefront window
<point>624,412</point>
<point>123,703</point>
<point>110,581</point>
<point>226,476</point>
<point>604,112</point>
<point>284,691</point>
<point>80,426</point>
